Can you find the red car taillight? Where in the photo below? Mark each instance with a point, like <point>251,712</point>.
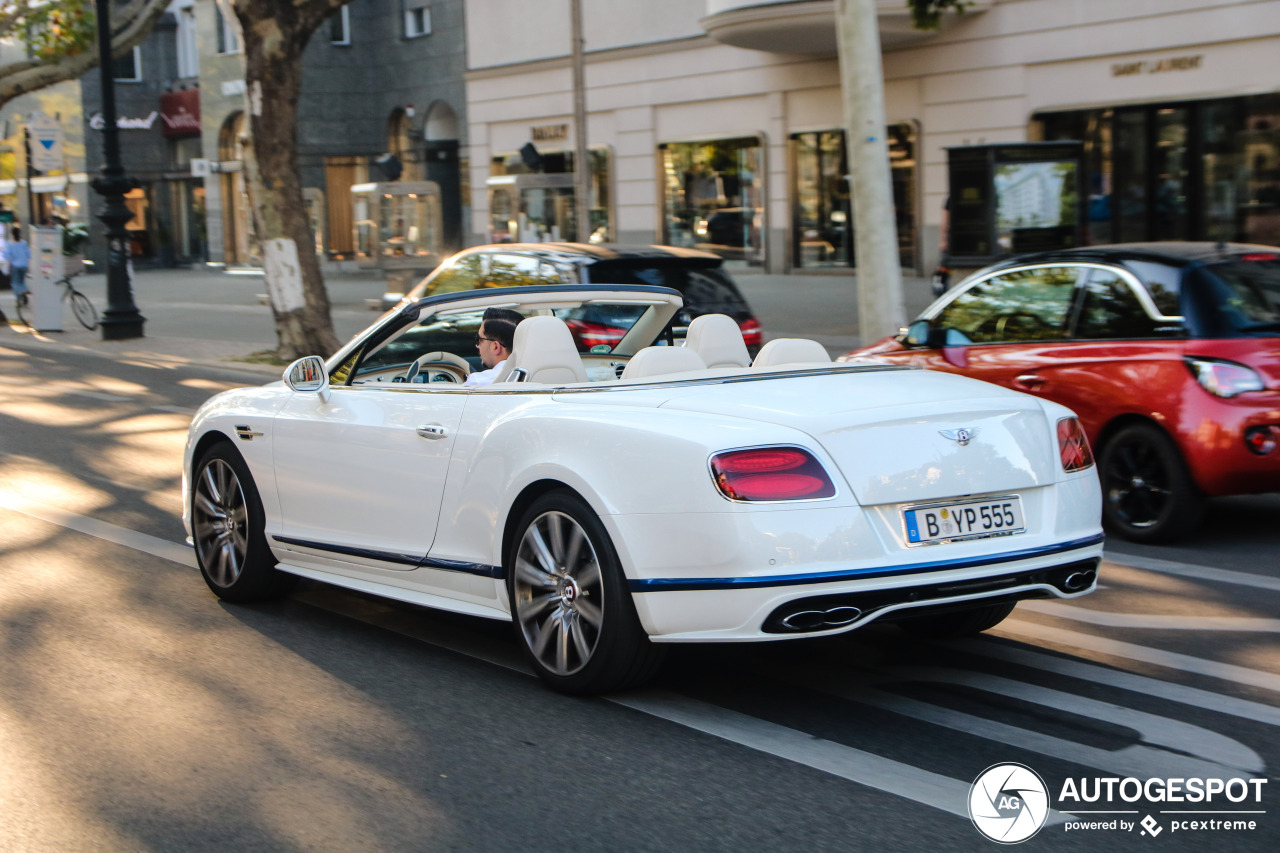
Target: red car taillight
<point>770,474</point>
<point>1073,447</point>
<point>751,332</point>
<point>590,335</point>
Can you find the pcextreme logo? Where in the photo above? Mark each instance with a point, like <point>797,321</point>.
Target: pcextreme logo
<point>1010,803</point>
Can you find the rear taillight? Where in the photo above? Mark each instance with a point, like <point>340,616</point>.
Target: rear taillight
<point>1073,447</point>
<point>770,474</point>
<point>1224,378</point>
<point>752,334</point>
<point>590,335</point>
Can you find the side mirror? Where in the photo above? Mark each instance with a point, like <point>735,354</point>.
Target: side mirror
<point>917,334</point>
<point>309,375</point>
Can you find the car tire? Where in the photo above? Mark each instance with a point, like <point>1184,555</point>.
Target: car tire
<point>1147,493</point>
<point>957,623</point>
<point>227,528</point>
<point>570,605</point>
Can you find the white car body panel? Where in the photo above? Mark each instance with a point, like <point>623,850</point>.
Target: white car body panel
<point>354,496</point>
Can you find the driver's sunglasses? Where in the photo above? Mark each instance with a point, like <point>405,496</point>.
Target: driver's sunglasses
<point>480,338</point>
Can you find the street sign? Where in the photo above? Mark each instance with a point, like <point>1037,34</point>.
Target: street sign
<point>46,143</point>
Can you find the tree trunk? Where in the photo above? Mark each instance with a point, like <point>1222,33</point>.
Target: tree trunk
<point>275,34</point>
<point>881,307</point>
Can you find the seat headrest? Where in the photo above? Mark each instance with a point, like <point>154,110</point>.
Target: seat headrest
<point>543,351</point>
<point>717,339</point>
<point>656,361</point>
<point>790,351</point>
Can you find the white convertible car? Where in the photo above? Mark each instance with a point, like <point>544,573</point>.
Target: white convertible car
<point>612,492</point>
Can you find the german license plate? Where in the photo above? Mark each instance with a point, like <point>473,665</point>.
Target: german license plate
<point>965,520</point>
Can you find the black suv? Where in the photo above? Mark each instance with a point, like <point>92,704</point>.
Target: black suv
<point>699,276</point>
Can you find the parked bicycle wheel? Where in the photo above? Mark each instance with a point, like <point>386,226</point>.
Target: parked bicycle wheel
<point>21,306</point>
<point>84,310</point>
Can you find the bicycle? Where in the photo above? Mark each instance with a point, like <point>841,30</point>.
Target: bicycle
<point>80,305</point>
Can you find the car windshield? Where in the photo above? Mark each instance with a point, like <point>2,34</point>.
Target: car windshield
<point>1240,296</point>
<point>597,328</point>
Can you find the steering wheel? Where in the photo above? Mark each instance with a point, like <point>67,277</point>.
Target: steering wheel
<point>438,366</point>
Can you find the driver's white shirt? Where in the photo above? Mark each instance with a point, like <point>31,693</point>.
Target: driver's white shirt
<point>485,377</point>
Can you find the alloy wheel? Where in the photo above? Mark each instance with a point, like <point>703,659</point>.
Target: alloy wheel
<point>220,522</point>
<point>558,590</point>
<point>1137,484</point>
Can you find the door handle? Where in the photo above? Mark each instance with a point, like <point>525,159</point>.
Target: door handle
<point>432,431</point>
<point>1029,382</point>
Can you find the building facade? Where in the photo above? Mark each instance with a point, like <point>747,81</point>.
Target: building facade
<point>158,124</point>
<point>718,123</point>
<point>381,77</point>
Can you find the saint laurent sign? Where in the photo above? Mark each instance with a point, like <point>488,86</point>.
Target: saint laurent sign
<point>549,133</point>
<point>1157,66</point>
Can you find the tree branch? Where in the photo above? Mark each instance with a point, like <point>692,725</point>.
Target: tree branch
<point>135,23</point>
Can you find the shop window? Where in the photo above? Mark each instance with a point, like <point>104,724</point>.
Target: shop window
<point>127,68</point>
<point>340,27</point>
<point>529,205</point>
<point>1205,170</point>
<point>822,216</point>
<point>417,18</point>
<point>713,197</point>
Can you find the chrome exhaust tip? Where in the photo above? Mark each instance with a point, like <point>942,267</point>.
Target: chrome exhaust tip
<point>1077,581</point>
<point>821,620</point>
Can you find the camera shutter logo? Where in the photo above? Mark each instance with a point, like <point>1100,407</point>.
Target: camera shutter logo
<point>1008,803</point>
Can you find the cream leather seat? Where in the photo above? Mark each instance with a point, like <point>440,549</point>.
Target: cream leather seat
<point>717,339</point>
<point>543,351</point>
<point>790,351</point>
<point>657,361</point>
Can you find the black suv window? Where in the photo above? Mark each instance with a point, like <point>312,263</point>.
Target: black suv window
<point>1110,309</point>
<point>512,270</point>
<point>1022,305</point>
<point>706,290</point>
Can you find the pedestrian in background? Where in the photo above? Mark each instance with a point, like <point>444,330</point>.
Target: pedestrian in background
<point>18,254</point>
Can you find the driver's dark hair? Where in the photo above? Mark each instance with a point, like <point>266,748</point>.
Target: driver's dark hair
<point>501,323</point>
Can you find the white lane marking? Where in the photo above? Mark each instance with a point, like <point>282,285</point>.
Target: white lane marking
<point>1191,570</point>
<point>1153,622</point>
<point>864,768</point>
<point>1170,660</point>
<point>1168,747</point>
<point>1099,674</point>
<point>143,542</point>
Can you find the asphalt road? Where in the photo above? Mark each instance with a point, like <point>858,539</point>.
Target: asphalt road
<point>137,712</point>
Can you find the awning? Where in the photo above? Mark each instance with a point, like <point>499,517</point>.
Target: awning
<point>8,187</point>
<point>49,184</point>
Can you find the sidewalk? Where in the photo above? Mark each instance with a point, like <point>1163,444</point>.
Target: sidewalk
<point>215,318</point>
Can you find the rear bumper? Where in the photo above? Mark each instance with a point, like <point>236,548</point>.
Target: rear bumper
<point>1212,438</point>
<point>756,609</point>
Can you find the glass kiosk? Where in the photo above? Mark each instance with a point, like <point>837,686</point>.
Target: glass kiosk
<point>1013,198</point>
<point>397,230</point>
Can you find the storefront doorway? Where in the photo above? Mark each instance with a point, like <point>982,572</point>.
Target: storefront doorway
<point>822,226</point>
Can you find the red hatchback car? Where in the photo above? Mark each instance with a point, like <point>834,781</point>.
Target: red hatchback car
<point>1168,352</point>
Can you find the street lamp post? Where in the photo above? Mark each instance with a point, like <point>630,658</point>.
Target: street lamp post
<point>121,319</point>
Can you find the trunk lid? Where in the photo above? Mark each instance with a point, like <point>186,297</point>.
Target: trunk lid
<point>894,434</point>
